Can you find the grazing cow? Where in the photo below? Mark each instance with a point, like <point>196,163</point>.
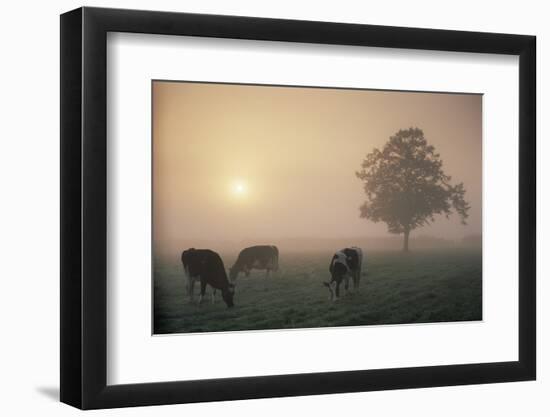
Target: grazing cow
<point>255,257</point>
<point>345,263</point>
<point>207,266</point>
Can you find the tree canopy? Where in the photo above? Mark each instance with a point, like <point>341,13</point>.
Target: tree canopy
<point>406,186</point>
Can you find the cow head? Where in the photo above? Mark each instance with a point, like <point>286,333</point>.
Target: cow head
<point>185,255</point>
<point>227,295</point>
<point>332,289</point>
<point>233,272</point>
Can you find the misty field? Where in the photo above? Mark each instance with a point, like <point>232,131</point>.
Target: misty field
<point>418,287</point>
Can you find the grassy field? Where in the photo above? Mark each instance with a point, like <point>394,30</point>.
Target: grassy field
<point>419,287</point>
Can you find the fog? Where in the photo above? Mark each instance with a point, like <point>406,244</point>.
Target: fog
<point>235,165</point>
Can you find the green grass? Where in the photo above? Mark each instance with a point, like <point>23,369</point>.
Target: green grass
<point>419,287</point>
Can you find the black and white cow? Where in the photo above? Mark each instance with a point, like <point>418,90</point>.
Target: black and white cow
<point>255,257</point>
<point>206,266</point>
<point>345,264</point>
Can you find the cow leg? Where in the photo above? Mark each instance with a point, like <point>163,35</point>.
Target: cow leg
<point>337,291</point>
<point>331,287</point>
<point>203,290</point>
<point>346,285</point>
<point>213,295</point>
<point>191,286</point>
<point>187,280</point>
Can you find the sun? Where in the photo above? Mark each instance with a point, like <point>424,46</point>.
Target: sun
<point>239,188</point>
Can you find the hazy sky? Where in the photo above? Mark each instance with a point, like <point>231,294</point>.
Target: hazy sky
<point>234,162</point>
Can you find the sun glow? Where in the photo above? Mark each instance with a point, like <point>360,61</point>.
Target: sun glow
<point>239,188</point>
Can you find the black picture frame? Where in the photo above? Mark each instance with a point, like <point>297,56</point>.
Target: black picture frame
<point>84,207</point>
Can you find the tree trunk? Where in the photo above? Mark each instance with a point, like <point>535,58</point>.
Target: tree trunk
<point>406,240</point>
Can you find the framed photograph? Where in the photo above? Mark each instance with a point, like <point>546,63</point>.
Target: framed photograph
<point>257,208</point>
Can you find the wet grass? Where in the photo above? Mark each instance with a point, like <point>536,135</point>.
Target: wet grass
<point>419,287</point>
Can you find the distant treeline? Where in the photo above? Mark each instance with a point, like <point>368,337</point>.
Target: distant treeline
<point>173,249</point>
